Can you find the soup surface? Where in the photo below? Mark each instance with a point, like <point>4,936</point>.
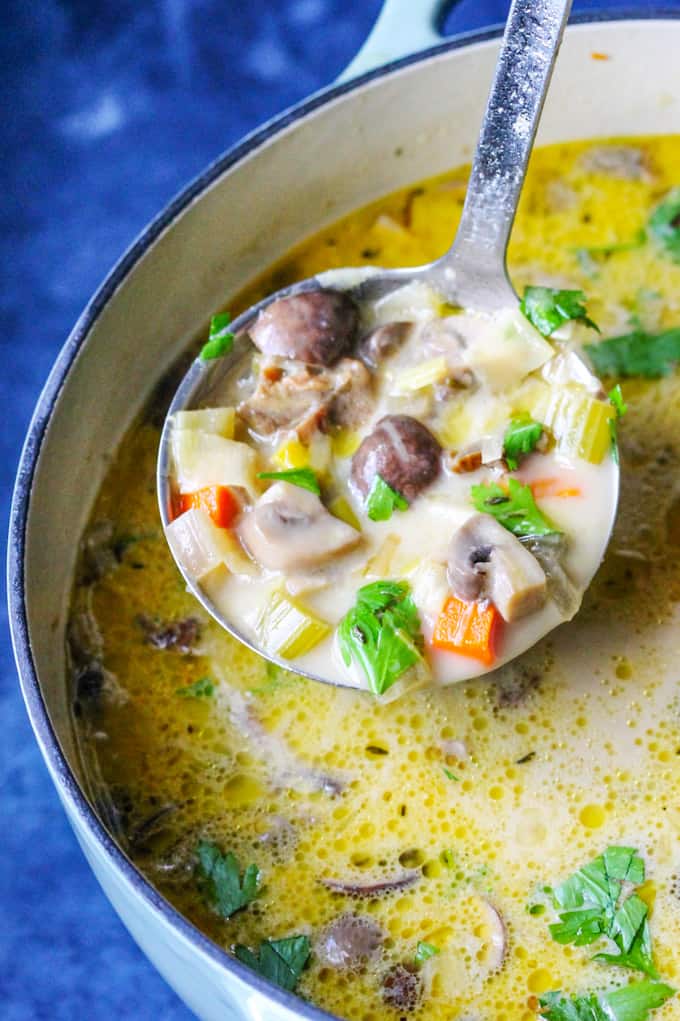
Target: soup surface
<point>409,859</point>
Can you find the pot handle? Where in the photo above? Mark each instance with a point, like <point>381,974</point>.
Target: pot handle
<point>403,27</point>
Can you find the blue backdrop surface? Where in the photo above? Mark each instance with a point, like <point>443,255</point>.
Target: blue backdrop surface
<point>108,110</point>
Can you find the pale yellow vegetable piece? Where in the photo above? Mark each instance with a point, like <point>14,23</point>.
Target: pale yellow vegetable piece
<point>345,442</point>
<point>342,509</point>
<point>581,424</point>
<point>292,454</point>
<point>219,421</point>
<point>420,376</point>
<point>201,547</point>
<point>289,630</point>
<point>204,459</point>
<point>379,565</point>
<point>504,349</point>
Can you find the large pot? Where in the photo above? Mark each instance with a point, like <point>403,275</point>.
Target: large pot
<point>412,118</point>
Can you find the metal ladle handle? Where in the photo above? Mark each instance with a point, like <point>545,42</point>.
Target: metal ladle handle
<point>475,263</point>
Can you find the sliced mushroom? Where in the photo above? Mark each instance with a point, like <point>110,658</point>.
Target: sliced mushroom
<point>403,452</point>
<point>373,888</point>
<point>349,942</point>
<point>488,562</point>
<point>382,342</point>
<point>316,327</point>
<point>290,529</point>
<point>402,987</point>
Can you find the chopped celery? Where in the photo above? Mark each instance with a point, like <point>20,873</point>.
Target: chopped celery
<point>454,426</point>
<point>287,629</point>
<point>580,423</point>
<point>201,547</point>
<point>292,454</point>
<point>342,509</point>
<point>219,421</point>
<point>205,459</point>
<point>419,376</point>
<point>379,565</point>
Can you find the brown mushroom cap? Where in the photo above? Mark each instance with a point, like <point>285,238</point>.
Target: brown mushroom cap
<point>403,452</point>
<point>315,327</point>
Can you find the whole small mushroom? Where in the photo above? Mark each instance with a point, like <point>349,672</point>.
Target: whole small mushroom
<point>349,942</point>
<point>488,562</point>
<point>315,327</point>
<point>403,452</point>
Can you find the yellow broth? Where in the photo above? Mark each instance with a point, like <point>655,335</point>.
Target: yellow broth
<point>488,791</point>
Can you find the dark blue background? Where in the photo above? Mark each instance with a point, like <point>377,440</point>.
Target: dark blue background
<point>108,109</point>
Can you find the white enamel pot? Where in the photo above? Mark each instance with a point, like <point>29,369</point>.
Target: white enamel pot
<point>344,147</point>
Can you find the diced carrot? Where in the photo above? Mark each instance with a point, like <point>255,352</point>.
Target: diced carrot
<point>542,488</point>
<point>217,501</point>
<point>470,629</point>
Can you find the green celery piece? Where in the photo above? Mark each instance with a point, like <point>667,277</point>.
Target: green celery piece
<point>630,1003</point>
<point>305,478</point>
<point>279,960</point>
<point>382,500</point>
<point>382,633</point>
<point>202,688</point>
<point>520,439</point>
<point>649,355</point>
<point>220,338</point>
<point>220,879</point>
<point>515,509</point>
<point>548,308</point>
<point>664,224</point>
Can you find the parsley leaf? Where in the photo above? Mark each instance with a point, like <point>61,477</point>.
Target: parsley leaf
<point>630,1003</point>
<point>547,308</point>
<point>220,338</point>
<point>279,960</point>
<point>591,908</point>
<point>381,633</point>
<point>449,775</point>
<point>305,478</point>
<point>220,880</point>
<point>202,688</point>
<point>424,951</point>
<point>664,224</point>
<point>382,500</point>
<point>520,438</point>
<point>650,355</point>
<point>515,508</point>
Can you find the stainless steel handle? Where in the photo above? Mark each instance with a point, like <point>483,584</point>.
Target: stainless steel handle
<point>476,260</point>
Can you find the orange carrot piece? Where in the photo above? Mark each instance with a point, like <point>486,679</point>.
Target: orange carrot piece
<point>542,488</point>
<point>470,629</point>
<point>217,501</point>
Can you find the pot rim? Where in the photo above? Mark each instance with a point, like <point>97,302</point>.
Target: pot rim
<point>68,787</point>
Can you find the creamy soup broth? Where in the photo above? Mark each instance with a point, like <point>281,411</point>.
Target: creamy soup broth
<point>468,800</point>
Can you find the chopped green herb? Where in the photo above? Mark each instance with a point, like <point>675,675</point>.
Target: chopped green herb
<point>305,478</point>
<point>382,500</point>
<point>381,633</point>
<point>591,907</point>
<point>424,951</point>
<point>515,508</point>
<point>279,960</point>
<point>449,775</point>
<point>630,1003</point>
<point>520,439</point>
<point>536,909</point>
<point>220,880</point>
<point>220,338</point>
<point>202,688</point>
<point>650,355</point>
<point>547,308</point>
<point>664,224</point>
<point>616,398</point>
<point>448,858</point>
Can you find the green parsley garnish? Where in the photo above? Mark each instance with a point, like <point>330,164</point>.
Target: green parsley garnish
<point>630,1003</point>
<point>449,775</point>
<point>590,907</point>
<point>220,338</point>
<point>547,308</point>
<point>382,500</point>
<point>616,398</point>
<point>514,508</point>
<point>220,880</point>
<point>279,960</point>
<point>650,355</point>
<point>305,478</point>
<point>520,439</point>
<point>202,688</point>
<point>664,224</point>
<point>424,951</point>
<point>381,633</point>
<point>536,909</point>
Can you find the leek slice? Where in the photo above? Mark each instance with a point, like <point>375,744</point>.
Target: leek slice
<point>219,421</point>
<point>580,423</point>
<point>342,509</point>
<point>201,547</point>
<point>287,629</point>
<point>205,459</point>
<point>419,376</point>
